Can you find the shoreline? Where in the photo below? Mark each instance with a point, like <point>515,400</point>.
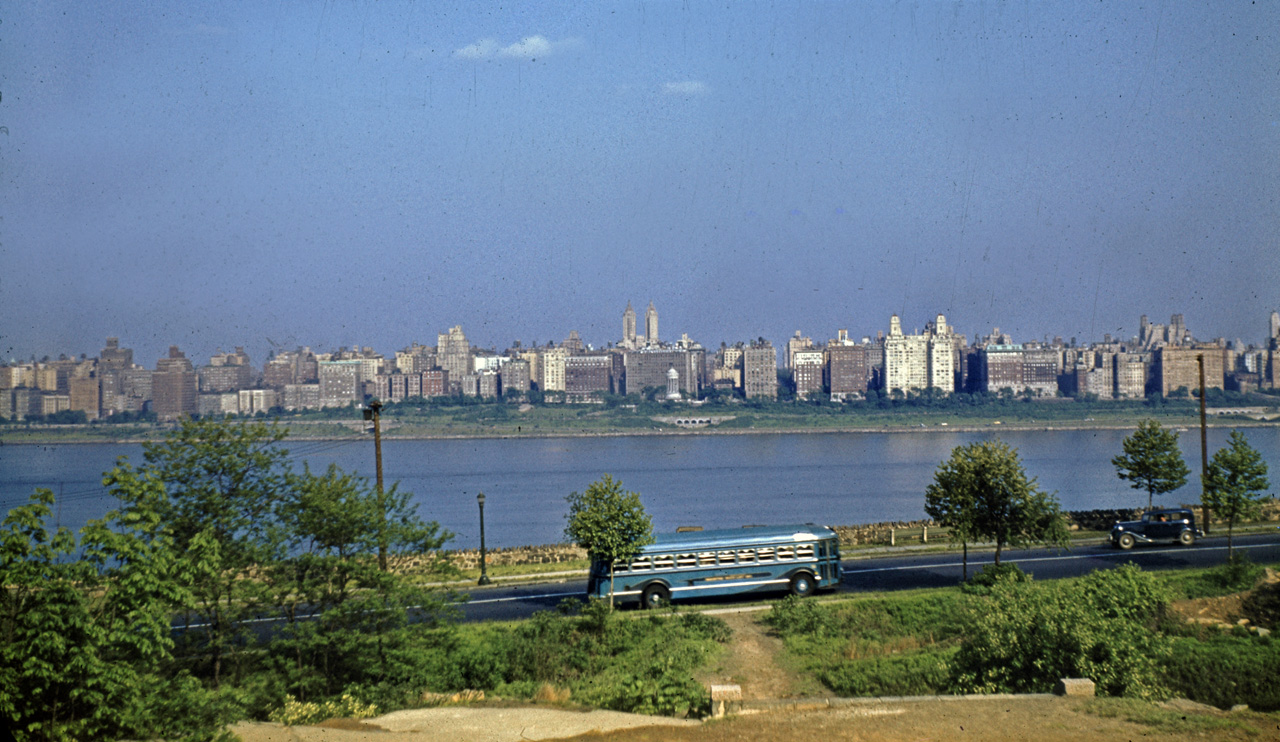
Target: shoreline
<point>44,437</point>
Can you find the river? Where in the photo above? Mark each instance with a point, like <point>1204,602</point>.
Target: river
<point>708,480</point>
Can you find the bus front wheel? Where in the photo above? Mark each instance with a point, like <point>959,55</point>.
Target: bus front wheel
<point>802,585</point>
<point>655,596</point>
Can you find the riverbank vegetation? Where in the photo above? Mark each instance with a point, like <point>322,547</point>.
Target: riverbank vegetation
<point>1003,632</point>
<point>459,416</point>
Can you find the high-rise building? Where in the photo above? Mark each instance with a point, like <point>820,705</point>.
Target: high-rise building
<point>552,375</point>
<point>173,386</point>
<point>86,396</point>
<point>807,367</point>
<point>795,345</point>
<point>760,370</point>
<point>587,376</point>
<point>453,354</point>
<point>113,356</point>
<point>848,370</point>
<point>629,328</point>
<point>647,369</point>
<point>514,377</point>
<point>906,360</point>
<point>1178,370</point>
<point>341,383</point>
<point>651,327</point>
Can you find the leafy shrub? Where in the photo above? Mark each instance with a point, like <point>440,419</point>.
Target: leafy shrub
<point>792,615</point>
<point>295,712</point>
<point>983,580</point>
<point>1237,573</point>
<point>911,674</point>
<point>1226,670</point>
<point>1023,637</point>
<point>702,626</point>
<point>1126,593</point>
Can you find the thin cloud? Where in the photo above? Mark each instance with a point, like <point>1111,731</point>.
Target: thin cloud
<point>482,49</point>
<point>685,87</point>
<point>530,47</point>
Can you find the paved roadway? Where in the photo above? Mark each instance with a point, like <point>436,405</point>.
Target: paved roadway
<point>904,572</point>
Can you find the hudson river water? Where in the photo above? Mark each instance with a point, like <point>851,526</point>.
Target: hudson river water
<point>712,480</point>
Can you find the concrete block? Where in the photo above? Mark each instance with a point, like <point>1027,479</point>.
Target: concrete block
<point>1074,687</point>
<point>721,695</point>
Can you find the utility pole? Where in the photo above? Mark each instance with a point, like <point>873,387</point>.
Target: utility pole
<point>372,412</point>
<point>1204,448</point>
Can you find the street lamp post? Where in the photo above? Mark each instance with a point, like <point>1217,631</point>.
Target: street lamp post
<point>484,571</point>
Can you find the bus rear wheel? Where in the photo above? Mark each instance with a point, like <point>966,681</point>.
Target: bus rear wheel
<point>655,596</point>
<point>802,585</point>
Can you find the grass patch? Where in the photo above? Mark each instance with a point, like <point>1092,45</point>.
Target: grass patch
<point>1171,721</point>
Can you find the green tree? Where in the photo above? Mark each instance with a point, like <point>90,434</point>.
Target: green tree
<point>84,629</point>
<point>223,482</point>
<point>949,501</point>
<point>344,615</point>
<point>1151,460</point>
<point>1235,483</point>
<point>984,490</point>
<point>609,523</point>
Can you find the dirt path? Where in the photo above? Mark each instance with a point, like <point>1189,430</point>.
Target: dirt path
<point>752,661</point>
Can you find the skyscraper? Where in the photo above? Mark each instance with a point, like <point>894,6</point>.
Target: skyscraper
<point>173,386</point>
<point>651,326</point>
<point>629,328</point>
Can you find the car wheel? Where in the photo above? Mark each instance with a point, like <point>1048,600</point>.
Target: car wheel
<point>802,585</point>
<point>1186,538</point>
<point>655,596</point>
<point>1126,541</point>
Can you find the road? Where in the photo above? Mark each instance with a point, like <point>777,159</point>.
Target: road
<point>899,572</point>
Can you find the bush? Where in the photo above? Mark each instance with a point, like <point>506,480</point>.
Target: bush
<point>1226,670</point>
<point>989,575</point>
<point>1023,637</point>
<point>295,712</point>
<point>791,616</point>
<point>1237,573</point>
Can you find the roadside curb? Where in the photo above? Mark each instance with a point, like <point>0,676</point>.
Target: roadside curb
<point>825,702</point>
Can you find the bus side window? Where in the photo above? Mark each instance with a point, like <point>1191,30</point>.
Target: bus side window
<point>620,567</point>
<point>804,551</point>
<point>707,559</point>
<point>765,553</point>
<point>727,557</point>
<point>746,556</point>
<point>786,552</point>
<point>686,560</point>
<point>641,563</point>
<point>666,561</point>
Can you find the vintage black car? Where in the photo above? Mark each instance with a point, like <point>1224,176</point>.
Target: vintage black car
<point>1176,525</point>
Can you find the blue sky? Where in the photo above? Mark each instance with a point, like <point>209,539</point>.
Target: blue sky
<point>243,173</point>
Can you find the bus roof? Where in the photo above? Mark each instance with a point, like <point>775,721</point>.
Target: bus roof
<point>737,537</point>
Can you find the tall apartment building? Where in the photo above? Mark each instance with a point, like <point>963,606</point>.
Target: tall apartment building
<point>728,367</point>
<point>341,383</point>
<point>906,360</point>
<point>629,339</point>
<point>1095,374</point>
<point>647,369</point>
<point>807,370</point>
<point>514,376</point>
<point>435,383</point>
<point>173,386</point>
<point>794,345</point>
<point>301,397</point>
<point>651,327</point>
<point>849,371</point>
<point>760,370</point>
<point>1177,368</point>
<point>86,396</point>
<point>587,376</point>
<point>453,354</point>
<point>1040,370</point>
<point>1001,368</point>
<point>552,375</point>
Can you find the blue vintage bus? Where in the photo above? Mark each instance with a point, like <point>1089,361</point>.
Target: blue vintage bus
<point>758,559</point>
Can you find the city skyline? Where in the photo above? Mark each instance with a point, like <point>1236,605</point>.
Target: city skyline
<point>224,174</point>
<point>855,334</point>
